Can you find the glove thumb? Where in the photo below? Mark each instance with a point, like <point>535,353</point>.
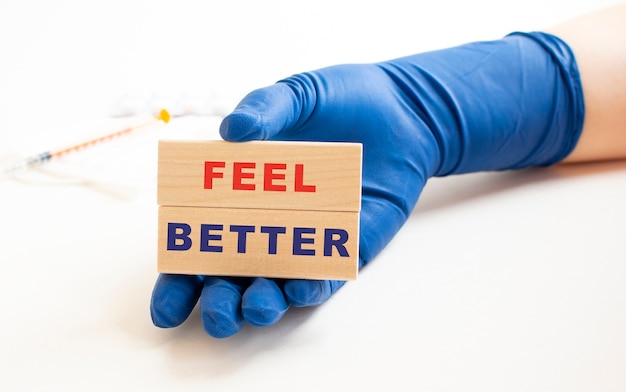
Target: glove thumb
<point>265,113</point>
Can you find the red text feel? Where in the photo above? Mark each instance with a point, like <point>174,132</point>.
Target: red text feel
<point>244,174</point>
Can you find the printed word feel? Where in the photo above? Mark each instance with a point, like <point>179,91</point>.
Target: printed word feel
<point>244,175</point>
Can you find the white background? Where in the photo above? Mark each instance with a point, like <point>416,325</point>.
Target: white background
<point>499,281</point>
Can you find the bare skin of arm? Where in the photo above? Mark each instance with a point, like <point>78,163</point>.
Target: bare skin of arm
<point>599,44</point>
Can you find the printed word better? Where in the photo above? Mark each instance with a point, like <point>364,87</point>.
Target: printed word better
<point>302,239</point>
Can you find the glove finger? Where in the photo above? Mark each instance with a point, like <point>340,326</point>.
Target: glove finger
<point>267,112</point>
<point>376,213</point>
<point>310,292</point>
<point>173,299</point>
<point>263,303</point>
<point>380,220</point>
<point>220,306</point>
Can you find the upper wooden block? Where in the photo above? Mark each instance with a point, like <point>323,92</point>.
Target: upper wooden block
<point>260,174</point>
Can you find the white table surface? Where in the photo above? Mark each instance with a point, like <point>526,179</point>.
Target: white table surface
<point>510,281</point>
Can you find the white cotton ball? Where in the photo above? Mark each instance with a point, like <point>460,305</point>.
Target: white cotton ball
<point>195,105</point>
<point>129,106</point>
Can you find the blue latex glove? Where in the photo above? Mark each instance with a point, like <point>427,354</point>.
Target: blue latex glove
<point>505,104</point>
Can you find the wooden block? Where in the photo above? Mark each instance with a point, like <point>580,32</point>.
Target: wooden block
<point>257,242</point>
<point>261,175</point>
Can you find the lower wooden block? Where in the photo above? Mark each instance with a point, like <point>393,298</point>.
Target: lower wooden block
<point>255,242</point>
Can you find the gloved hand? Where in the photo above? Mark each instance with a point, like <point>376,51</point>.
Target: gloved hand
<point>504,104</point>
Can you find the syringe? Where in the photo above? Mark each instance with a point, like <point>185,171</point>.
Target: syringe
<point>46,156</point>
